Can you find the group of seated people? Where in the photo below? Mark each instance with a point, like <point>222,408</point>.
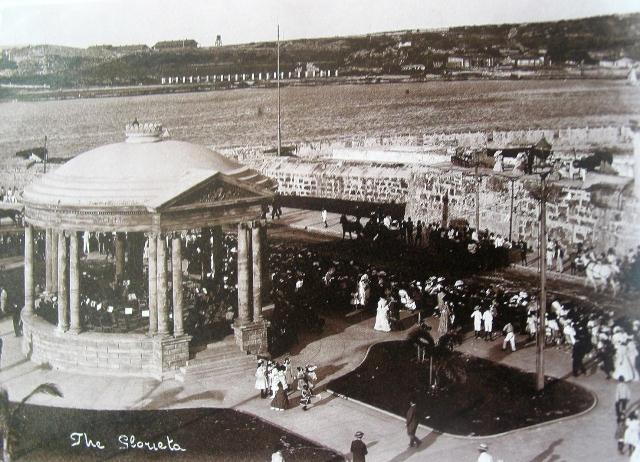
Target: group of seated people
<point>9,195</point>
<point>11,244</point>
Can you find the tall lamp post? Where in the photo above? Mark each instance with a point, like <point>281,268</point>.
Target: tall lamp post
<point>540,337</point>
<point>512,181</point>
<point>478,181</point>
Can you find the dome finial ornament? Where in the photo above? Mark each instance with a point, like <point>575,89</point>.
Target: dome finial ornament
<point>150,132</point>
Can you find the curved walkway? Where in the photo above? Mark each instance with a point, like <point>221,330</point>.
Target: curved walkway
<point>332,421</point>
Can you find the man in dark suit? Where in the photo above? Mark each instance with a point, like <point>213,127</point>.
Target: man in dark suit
<point>358,448</point>
<point>412,424</point>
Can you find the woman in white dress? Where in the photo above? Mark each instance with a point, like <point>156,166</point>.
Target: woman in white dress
<point>631,434</point>
<point>382,317</point>
<point>623,366</point>
<point>364,291</point>
<point>261,380</point>
<point>632,355</point>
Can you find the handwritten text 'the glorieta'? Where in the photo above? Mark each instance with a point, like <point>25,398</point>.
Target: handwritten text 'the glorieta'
<point>125,442</point>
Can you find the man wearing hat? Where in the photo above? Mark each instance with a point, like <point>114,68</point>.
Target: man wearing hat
<point>484,453</point>
<point>358,448</point>
<point>412,424</point>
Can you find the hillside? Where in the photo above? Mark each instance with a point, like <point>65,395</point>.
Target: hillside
<point>582,41</point>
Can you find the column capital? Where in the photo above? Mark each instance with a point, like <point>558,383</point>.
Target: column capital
<point>258,223</point>
<point>175,234</point>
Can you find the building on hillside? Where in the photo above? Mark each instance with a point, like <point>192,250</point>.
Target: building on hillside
<point>620,63</point>
<point>458,62</point>
<point>172,44</point>
<point>472,61</point>
<point>529,61</point>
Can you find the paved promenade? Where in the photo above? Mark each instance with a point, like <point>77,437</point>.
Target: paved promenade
<point>333,421</point>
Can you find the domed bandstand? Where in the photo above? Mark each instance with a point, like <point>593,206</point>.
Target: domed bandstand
<point>146,192</point>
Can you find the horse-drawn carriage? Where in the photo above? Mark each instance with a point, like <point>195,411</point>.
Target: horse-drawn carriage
<point>12,211</point>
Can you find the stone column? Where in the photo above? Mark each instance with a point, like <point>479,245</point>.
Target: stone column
<point>153,285</point>
<point>119,256</point>
<point>635,128</point>
<point>163,308</point>
<point>176,273</point>
<point>244,275</point>
<point>63,303</point>
<point>47,260</point>
<point>217,251</point>
<point>266,280</point>
<point>256,249</point>
<point>29,288</point>
<point>74,284</point>
<point>54,261</point>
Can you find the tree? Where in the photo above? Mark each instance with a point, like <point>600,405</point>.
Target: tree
<point>11,419</point>
<point>449,367</point>
<point>446,367</point>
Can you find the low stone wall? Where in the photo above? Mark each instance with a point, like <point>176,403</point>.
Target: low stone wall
<point>575,216</point>
<point>609,218</point>
<point>383,183</point>
<point>17,173</point>
<point>564,139</point>
<point>103,353</point>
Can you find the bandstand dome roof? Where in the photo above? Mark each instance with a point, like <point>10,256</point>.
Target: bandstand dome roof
<point>142,174</point>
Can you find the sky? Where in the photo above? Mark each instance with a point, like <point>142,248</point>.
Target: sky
<point>83,23</point>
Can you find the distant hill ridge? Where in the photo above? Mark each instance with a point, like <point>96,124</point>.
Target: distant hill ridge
<point>578,41</point>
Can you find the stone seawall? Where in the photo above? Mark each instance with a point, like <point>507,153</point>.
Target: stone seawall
<point>602,219</point>
<point>336,180</point>
<point>17,173</point>
<point>574,217</point>
<point>565,139</point>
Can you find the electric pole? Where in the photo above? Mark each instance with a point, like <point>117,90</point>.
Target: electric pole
<point>512,180</point>
<point>477,194</point>
<point>45,154</point>
<point>540,339</point>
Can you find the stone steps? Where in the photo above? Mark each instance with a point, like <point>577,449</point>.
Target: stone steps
<point>219,359</point>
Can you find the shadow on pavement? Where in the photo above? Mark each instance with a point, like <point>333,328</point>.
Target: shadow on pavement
<point>542,457</point>
<point>424,444</point>
<point>169,398</point>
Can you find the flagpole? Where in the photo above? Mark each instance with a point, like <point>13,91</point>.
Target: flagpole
<point>46,154</point>
<point>278,83</point>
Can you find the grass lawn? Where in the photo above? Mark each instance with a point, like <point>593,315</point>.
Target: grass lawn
<point>494,398</point>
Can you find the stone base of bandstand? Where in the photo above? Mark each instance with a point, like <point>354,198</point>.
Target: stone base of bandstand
<point>253,338</point>
<point>96,353</point>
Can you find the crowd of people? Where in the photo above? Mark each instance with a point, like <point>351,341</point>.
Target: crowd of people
<point>111,305</point>
<point>278,381</point>
<point>10,195</point>
<point>11,244</point>
<point>455,243</point>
